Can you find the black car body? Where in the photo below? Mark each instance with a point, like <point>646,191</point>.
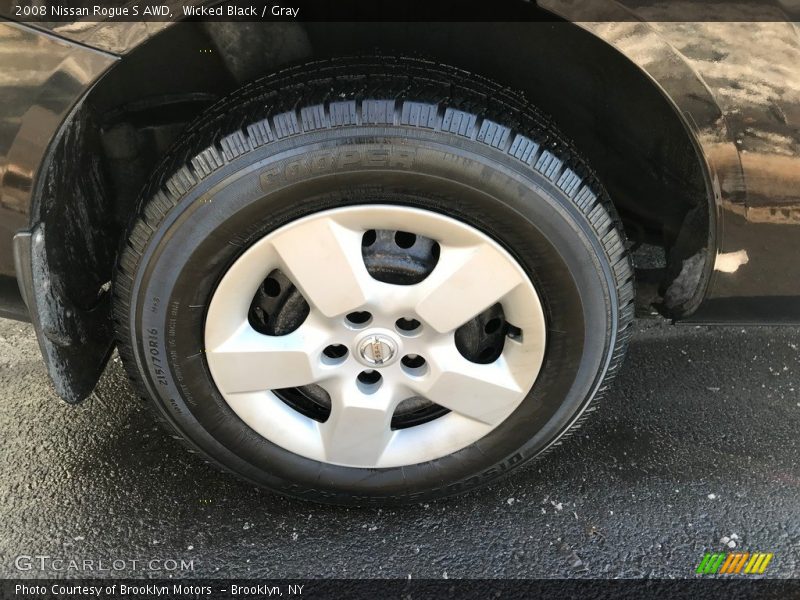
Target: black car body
<point>693,126</point>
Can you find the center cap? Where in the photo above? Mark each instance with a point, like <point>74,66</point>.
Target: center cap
<point>377,349</point>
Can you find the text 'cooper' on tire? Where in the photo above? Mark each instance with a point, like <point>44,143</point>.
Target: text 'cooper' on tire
<point>373,279</point>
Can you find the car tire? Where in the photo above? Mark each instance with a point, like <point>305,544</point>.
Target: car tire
<point>244,244</point>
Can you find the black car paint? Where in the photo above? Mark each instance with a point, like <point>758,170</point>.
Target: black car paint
<point>53,74</point>
<point>749,145</point>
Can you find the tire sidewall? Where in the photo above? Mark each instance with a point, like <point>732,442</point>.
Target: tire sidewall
<point>220,216</point>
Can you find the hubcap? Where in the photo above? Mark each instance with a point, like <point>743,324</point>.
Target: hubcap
<point>452,346</point>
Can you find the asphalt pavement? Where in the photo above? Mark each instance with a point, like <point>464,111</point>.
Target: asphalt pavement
<point>695,450</point>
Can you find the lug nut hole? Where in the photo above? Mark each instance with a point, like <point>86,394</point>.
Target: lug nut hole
<point>369,381</point>
<point>408,326</point>
<point>334,354</point>
<point>414,365</point>
<point>271,287</point>
<point>369,238</point>
<point>404,239</point>
<point>358,320</point>
<point>492,325</point>
<point>413,361</point>
<point>369,376</point>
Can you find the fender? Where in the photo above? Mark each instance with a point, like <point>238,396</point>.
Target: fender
<point>745,122</point>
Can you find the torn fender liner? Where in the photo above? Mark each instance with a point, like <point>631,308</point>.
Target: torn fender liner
<point>75,343</point>
<point>685,285</point>
<point>688,265</point>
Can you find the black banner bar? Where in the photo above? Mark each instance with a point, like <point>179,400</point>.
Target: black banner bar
<point>390,589</point>
<point>51,11</point>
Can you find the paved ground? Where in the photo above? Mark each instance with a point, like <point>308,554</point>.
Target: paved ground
<point>698,442</point>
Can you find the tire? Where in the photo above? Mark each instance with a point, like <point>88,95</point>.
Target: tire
<point>394,136</point>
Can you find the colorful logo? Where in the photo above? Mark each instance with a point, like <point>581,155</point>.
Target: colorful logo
<point>731,563</point>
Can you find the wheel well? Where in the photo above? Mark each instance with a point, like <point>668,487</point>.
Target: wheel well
<point>616,116</point>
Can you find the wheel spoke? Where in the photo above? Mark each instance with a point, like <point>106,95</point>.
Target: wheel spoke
<point>464,283</point>
<point>249,361</point>
<point>359,427</point>
<point>485,393</point>
<point>323,259</point>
